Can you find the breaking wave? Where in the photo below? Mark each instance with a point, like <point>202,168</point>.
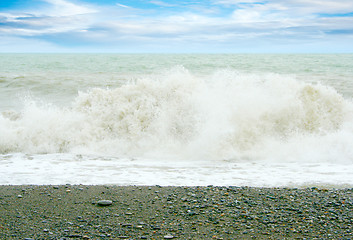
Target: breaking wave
<point>226,115</point>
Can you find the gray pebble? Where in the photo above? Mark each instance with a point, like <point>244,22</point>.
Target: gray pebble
<point>104,202</point>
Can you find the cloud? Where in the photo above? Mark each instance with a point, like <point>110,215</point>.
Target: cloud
<point>318,6</point>
<point>58,16</point>
<point>66,8</point>
<point>163,4</point>
<point>227,23</point>
<point>122,5</point>
<point>36,26</point>
<point>292,7</point>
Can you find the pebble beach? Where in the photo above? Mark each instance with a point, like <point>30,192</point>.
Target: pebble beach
<point>156,212</point>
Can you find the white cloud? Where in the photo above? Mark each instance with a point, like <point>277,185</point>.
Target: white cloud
<point>32,25</point>
<point>233,2</point>
<point>239,21</point>
<point>66,8</point>
<point>59,16</point>
<point>246,15</point>
<point>122,5</point>
<point>319,6</point>
<point>162,4</point>
<point>293,7</point>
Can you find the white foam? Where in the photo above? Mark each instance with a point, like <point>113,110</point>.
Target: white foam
<point>85,169</point>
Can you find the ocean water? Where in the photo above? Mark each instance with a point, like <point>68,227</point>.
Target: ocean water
<point>192,119</point>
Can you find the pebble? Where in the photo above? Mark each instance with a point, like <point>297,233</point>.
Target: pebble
<point>197,212</point>
<point>19,196</point>
<point>75,236</point>
<point>104,202</point>
<point>126,225</point>
<point>168,236</point>
<point>156,227</point>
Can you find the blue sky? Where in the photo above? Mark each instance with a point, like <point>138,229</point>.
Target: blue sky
<point>170,26</point>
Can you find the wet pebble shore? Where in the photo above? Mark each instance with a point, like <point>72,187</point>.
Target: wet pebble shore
<point>154,212</point>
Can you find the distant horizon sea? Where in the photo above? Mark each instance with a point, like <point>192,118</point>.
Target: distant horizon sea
<point>261,120</point>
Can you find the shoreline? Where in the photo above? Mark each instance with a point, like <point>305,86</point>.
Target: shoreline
<point>155,212</point>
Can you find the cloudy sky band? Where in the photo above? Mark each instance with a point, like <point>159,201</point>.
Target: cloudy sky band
<point>176,26</point>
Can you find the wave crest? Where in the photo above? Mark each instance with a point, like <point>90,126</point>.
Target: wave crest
<point>225,115</point>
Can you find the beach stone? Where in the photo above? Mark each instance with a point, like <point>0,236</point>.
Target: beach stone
<point>19,196</point>
<point>156,227</point>
<point>75,236</point>
<point>128,225</point>
<point>104,202</point>
<point>168,236</point>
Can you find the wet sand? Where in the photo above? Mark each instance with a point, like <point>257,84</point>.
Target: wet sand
<point>143,212</point>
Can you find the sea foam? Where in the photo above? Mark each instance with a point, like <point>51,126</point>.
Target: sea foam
<point>179,115</point>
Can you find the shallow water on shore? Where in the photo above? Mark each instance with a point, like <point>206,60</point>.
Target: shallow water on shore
<point>68,169</point>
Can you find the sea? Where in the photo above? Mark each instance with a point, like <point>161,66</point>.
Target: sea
<point>258,120</point>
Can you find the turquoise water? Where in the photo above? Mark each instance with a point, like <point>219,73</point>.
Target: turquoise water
<point>58,77</point>
<point>195,119</point>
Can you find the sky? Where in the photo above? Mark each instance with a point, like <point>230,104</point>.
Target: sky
<point>171,26</point>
